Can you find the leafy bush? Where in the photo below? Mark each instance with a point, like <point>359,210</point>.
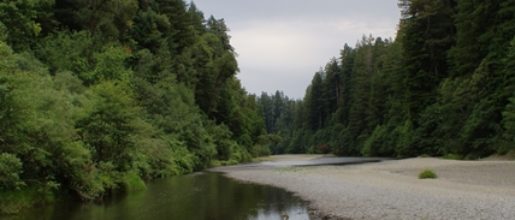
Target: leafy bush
<point>132,182</point>
<point>427,174</point>
<point>10,170</point>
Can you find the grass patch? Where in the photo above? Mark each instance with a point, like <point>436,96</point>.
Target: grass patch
<point>427,174</point>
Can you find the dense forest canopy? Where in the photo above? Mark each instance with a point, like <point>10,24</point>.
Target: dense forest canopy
<point>444,87</point>
<point>99,96</point>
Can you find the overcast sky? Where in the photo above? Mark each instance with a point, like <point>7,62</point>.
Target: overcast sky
<point>282,43</point>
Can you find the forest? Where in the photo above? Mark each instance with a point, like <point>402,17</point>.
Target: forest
<point>98,97</point>
<point>444,87</point>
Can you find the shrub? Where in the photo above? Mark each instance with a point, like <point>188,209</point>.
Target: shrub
<point>427,174</point>
<point>10,170</point>
<point>260,150</point>
<point>131,182</point>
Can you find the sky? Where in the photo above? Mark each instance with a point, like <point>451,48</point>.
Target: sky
<point>282,43</point>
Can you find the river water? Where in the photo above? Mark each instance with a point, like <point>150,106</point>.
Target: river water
<point>202,196</point>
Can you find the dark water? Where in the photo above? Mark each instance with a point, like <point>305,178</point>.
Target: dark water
<point>323,161</point>
<point>209,196</point>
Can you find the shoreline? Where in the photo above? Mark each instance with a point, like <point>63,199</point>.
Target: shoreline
<point>391,189</point>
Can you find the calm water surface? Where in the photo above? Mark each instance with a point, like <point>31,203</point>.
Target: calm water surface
<point>199,196</point>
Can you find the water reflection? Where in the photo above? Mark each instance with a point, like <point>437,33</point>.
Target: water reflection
<point>199,196</point>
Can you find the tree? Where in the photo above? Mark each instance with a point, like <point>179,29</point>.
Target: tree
<point>110,20</point>
<point>314,103</point>
<point>26,21</point>
<point>428,34</point>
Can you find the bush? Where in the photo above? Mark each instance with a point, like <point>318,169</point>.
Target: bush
<point>10,170</point>
<point>131,182</point>
<point>427,174</point>
<point>260,150</point>
<point>239,154</point>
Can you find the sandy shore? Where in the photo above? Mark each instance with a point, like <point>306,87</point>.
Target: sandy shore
<point>392,190</point>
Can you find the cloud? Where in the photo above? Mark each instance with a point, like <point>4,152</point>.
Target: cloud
<point>284,54</point>
<point>282,43</point>
<point>277,44</point>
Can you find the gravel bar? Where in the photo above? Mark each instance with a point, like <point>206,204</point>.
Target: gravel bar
<point>391,189</point>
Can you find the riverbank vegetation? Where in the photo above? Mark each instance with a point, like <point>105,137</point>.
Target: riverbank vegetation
<point>99,96</point>
<point>444,87</point>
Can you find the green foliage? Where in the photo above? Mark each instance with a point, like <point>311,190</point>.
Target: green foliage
<point>10,170</point>
<point>183,160</point>
<point>132,182</point>
<point>12,202</point>
<point>508,120</point>
<point>509,125</point>
<point>427,174</point>
<point>65,51</point>
<point>314,103</point>
<point>404,140</point>
<point>259,150</point>
<point>26,20</point>
<point>3,32</point>
<point>109,65</point>
<point>101,96</point>
<point>376,144</point>
<point>107,19</point>
<point>108,125</point>
<point>428,29</point>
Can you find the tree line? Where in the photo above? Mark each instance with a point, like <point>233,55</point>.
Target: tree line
<point>444,87</point>
<point>99,96</point>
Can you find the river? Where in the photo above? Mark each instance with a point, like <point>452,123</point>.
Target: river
<point>203,196</point>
